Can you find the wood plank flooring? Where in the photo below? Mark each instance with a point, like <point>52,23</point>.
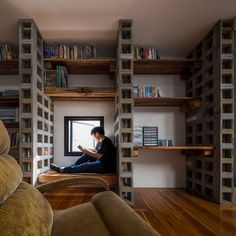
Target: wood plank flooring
<point>169,211</point>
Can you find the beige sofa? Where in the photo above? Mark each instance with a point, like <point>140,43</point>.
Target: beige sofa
<point>25,212</point>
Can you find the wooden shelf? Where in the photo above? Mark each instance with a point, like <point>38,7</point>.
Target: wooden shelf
<point>9,101</point>
<point>204,148</point>
<point>168,101</point>
<point>164,66</point>
<point>85,66</point>
<point>80,94</point>
<point>141,67</point>
<point>9,125</point>
<point>9,67</point>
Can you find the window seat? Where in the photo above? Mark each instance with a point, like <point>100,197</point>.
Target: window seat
<point>50,176</point>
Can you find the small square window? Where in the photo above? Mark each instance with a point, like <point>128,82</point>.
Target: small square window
<point>77,132</point>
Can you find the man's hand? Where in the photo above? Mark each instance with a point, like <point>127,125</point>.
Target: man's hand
<point>81,148</point>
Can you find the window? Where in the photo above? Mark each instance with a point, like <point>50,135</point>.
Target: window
<point>77,132</point>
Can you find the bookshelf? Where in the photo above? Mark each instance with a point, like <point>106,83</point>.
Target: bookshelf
<point>81,94</point>
<point>165,66</point>
<point>204,148</point>
<point>168,101</point>
<point>141,66</point>
<point>84,66</point>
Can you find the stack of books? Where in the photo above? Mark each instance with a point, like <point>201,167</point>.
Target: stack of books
<point>63,51</point>
<point>57,79</point>
<point>7,52</point>
<point>13,93</point>
<point>146,91</point>
<point>9,114</point>
<point>145,53</point>
<point>138,136</point>
<point>150,136</point>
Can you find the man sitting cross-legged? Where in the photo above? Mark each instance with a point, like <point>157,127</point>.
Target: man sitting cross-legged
<point>100,160</point>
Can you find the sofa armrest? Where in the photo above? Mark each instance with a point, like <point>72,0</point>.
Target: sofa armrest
<point>81,180</point>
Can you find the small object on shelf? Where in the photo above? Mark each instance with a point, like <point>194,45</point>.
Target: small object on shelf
<point>138,136</point>
<point>165,142</point>
<point>150,136</point>
<point>146,91</point>
<point>145,53</point>
<point>7,52</point>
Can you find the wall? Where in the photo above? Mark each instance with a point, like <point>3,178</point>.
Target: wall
<point>161,168</point>
<point>151,168</point>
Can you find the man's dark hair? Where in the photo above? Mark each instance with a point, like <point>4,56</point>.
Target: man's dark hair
<point>98,129</point>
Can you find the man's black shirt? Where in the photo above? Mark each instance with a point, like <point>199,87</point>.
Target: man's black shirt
<point>107,148</point>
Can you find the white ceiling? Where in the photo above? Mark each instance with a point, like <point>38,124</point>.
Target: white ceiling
<point>173,26</point>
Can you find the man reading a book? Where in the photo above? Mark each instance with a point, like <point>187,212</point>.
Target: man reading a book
<point>100,160</point>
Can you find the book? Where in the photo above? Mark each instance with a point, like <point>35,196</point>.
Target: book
<point>145,53</point>
<point>146,91</point>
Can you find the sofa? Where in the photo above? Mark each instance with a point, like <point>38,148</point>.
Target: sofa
<point>24,211</point>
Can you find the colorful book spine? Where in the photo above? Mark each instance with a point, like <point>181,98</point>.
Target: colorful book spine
<point>63,51</point>
<point>146,91</point>
<point>145,53</point>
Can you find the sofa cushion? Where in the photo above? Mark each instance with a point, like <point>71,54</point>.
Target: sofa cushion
<point>26,213</point>
<point>80,220</point>
<point>4,140</point>
<point>119,218</point>
<point>10,177</point>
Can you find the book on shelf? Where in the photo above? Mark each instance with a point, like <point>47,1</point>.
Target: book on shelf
<point>7,52</point>
<point>14,138</point>
<point>138,136</point>
<point>146,91</point>
<point>10,114</point>
<point>57,79</point>
<point>165,142</point>
<point>145,53</point>
<point>63,51</point>
<point>10,93</point>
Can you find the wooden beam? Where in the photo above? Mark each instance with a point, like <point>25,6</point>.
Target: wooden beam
<point>81,94</point>
<point>9,67</point>
<point>187,102</point>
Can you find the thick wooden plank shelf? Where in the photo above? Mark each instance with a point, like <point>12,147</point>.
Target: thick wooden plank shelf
<point>85,66</point>
<point>9,67</point>
<point>204,148</point>
<point>168,101</point>
<point>9,101</point>
<point>141,67</point>
<point>207,150</point>
<point>164,66</point>
<point>81,94</point>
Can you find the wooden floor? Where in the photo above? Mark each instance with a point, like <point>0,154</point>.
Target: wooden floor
<point>169,211</point>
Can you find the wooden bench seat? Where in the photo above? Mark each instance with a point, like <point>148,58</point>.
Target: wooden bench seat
<point>50,176</point>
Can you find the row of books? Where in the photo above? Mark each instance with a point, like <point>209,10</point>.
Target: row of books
<point>58,79</point>
<point>148,136</point>
<point>145,53</point>
<point>14,138</point>
<point>11,93</point>
<point>146,91</point>
<point>63,51</point>
<point>10,114</point>
<point>7,52</point>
